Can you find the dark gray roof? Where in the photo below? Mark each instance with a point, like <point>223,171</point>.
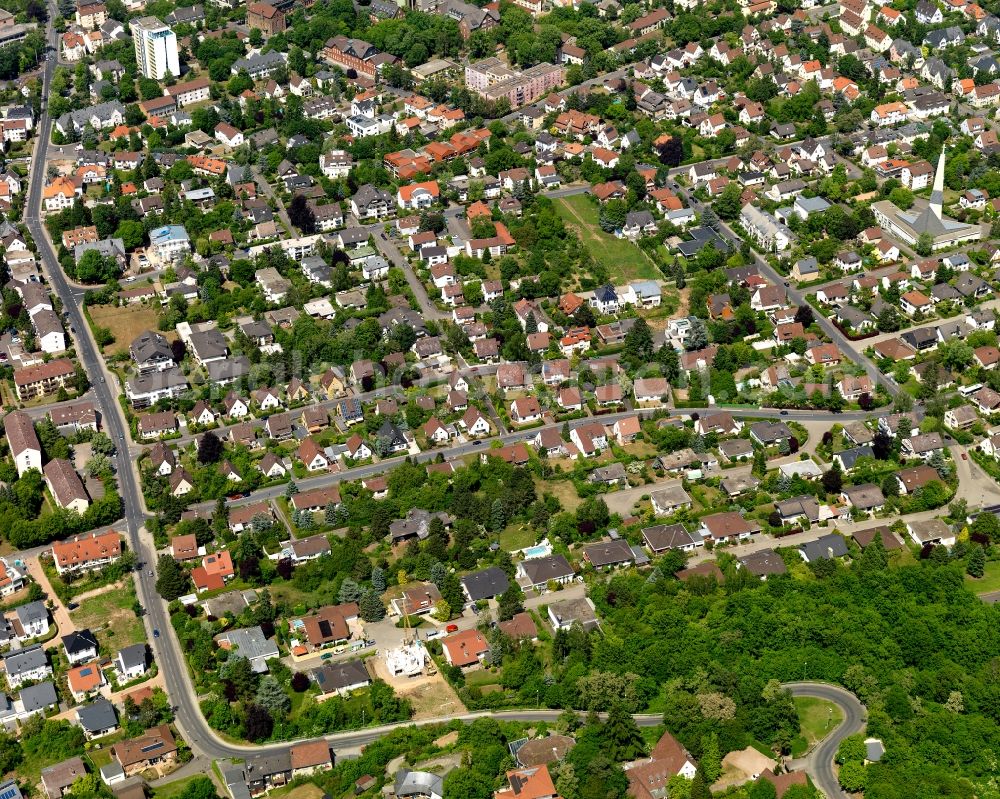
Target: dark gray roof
<point>209,344</point>
<point>827,546</point>
<point>260,766</point>
<point>770,431</point>
<point>668,536</point>
<point>37,697</point>
<point>133,655</point>
<point>368,194</point>
<point>850,456</point>
<point>97,716</point>
<point>392,434</point>
<point>229,369</point>
<point>763,563</point>
<point>609,553</point>
<point>151,346</point>
<point>552,567</point>
<point>488,583</point>
<point>337,676</point>
<point>79,641</point>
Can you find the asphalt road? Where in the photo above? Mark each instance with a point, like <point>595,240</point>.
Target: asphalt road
<point>819,762</point>
<point>166,648</point>
<point>457,451</point>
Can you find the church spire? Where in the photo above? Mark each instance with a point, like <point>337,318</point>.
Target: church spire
<point>937,193</point>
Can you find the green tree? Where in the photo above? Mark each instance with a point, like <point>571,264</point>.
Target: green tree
<point>510,602</point>
<point>852,748</point>
<point>271,695</point>
<point>564,777</point>
<point>171,580</point>
<point>853,776</point>
<point>199,787</point>
<point>11,753</point>
<point>638,348</point>
<point>711,759</point>
<point>467,783</point>
<point>238,672</point>
<point>698,335</point>
<point>833,480</point>
<point>762,789</point>
<point>976,564</point>
<point>728,205</point>
<point>370,607</point>
<point>925,244</point>
<point>350,591</point>
<point>622,736</point>
<point>699,787</point>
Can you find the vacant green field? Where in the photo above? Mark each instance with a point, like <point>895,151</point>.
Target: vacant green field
<point>990,581</point>
<point>623,260</point>
<point>817,718</point>
<point>111,617</point>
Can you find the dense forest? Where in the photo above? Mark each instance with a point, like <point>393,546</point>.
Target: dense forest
<point>917,647</point>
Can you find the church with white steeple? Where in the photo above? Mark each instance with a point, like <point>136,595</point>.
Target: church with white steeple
<point>926,217</point>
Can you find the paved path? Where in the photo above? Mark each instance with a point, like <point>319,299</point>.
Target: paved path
<point>59,613</point>
<point>461,450</point>
<point>37,412</point>
<point>265,187</point>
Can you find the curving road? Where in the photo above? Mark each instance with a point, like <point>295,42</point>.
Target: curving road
<point>819,762</point>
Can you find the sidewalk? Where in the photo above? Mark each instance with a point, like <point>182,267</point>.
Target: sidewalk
<point>59,613</point>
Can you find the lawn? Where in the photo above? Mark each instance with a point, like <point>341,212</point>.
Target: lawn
<point>563,490</point>
<point>482,677</point>
<point>111,617</point>
<point>817,718</point>
<point>517,536</point>
<point>124,323</point>
<point>286,591</point>
<point>174,789</point>
<point>623,259</point>
<point>990,581</point>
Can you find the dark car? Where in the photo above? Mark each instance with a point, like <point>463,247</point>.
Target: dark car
<point>156,632</point>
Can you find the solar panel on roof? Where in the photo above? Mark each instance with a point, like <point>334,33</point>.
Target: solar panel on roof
<point>10,793</point>
<point>147,748</point>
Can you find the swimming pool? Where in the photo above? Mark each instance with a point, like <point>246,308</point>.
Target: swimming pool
<point>537,551</point>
